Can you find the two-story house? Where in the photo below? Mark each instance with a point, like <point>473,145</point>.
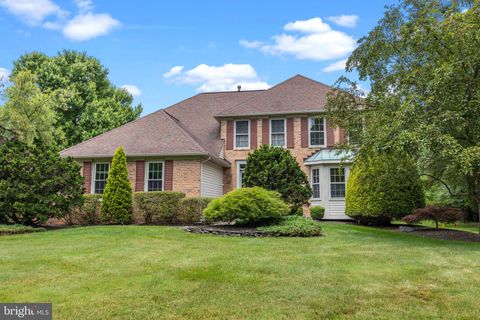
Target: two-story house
<point>199,146</point>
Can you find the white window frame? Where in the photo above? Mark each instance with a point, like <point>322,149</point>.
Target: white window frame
<point>94,174</point>
<point>284,131</point>
<point>324,133</point>
<point>239,180</point>
<point>235,135</point>
<point>330,182</point>
<point>319,182</point>
<point>147,166</point>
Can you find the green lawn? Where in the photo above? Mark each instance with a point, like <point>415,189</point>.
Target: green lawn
<point>136,272</point>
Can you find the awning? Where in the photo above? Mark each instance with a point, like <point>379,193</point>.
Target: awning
<point>330,156</point>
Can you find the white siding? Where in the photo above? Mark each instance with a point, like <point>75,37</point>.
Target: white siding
<point>211,180</point>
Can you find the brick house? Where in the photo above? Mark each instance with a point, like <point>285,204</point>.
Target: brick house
<point>199,146</point>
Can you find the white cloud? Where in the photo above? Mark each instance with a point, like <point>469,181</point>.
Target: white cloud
<point>220,78</point>
<point>336,66</point>
<point>250,44</point>
<point>33,12</point>
<point>315,40</point>
<point>84,5</point>
<point>4,75</point>
<point>132,89</point>
<point>173,72</point>
<point>88,26</point>
<point>349,21</point>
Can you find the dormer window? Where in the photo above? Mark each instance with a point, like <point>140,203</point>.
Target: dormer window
<point>242,134</point>
<point>316,129</point>
<point>277,132</point>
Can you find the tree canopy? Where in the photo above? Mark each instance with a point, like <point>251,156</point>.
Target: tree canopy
<point>85,102</point>
<point>423,64</point>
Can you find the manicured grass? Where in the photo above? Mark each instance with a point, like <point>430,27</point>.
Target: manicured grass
<point>135,272</point>
<point>6,229</point>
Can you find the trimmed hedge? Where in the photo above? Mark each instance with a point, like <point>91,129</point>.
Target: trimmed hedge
<point>190,210</point>
<point>18,229</point>
<point>158,206</point>
<point>247,206</point>
<point>383,188</point>
<point>88,213</point>
<point>295,226</point>
<point>317,212</point>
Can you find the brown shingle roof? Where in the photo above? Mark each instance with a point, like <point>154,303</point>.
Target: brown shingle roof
<point>295,95</point>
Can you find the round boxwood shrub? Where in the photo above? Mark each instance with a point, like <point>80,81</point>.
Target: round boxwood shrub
<point>247,206</point>
<point>317,212</point>
<point>383,188</point>
<point>295,226</point>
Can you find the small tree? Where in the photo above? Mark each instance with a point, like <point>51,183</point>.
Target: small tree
<point>274,168</point>
<point>36,183</point>
<point>117,197</point>
<point>435,212</point>
<point>383,188</point>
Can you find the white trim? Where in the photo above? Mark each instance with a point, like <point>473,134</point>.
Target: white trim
<point>319,182</point>
<point>330,183</point>
<point>145,178</point>
<point>324,133</point>
<point>235,135</point>
<point>94,173</point>
<point>284,131</point>
<point>238,163</point>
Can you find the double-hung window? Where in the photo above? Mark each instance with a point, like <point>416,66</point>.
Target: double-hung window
<point>277,132</point>
<point>154,176</point>
<point>100,176</point>
<point>316,129</point>
<point>337,182</point>
<point>316,183</point>
<point>242,140</point>
<point>240,172</point>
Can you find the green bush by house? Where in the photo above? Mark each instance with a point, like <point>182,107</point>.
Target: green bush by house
<point>295,226</point>
<point>275,168</point>
<point>88,213</point>
<point>247,206</point>
<point>190,210</point>
<point>317,212</point>
<point>36,183</point>
<point>383,188</point>
<point>158,206</point>
<point>117,197</point>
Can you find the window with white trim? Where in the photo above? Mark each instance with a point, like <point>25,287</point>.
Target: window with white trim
<point>316,183</point>
<point>316,127</point>
<point>240,173</point>
<point>277,132</point>
<point>242,137</point>
<point>337,182</point>
<point>100,177</point>
<point>154,176</point>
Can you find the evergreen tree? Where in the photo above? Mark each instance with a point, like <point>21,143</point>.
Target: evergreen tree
<point>117,197</point>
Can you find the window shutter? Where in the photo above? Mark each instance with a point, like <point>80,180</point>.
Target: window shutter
<point>304,134</point>
<point>229,136</point>
<point>87,174</point>
<point>265,131</point>
<point>330,135</point>
<point>341,136</point>
<point>253,134</point>
<point>168,176</point>
<point>139,176</point>
<point>290,134</point>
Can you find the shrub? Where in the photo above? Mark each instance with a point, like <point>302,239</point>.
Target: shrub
<point>435,212</point>
<point>274,168</point>
<point>317,212</point>
<point>88,212</point>
<point>295,226</point>
<point>247,206</point>
<point>36,183</point>
<point>117,197</point>
<point>17,229</point>
<point>191,210</point>
<point>383,188</point>
<point>160,206</point>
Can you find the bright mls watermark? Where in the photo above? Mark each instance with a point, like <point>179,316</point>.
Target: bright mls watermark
<point>27,311</point>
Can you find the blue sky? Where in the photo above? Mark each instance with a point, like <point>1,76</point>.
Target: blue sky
<point>167,51</point>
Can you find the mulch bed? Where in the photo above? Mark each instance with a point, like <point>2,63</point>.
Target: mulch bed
<point>230,231</point>
<point>447,234</point>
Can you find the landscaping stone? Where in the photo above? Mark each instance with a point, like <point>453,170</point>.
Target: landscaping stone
<point>406,229</point>
<point>229,231</point>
